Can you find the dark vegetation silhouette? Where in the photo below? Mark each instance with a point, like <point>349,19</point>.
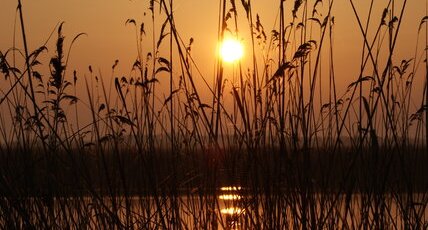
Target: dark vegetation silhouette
<point>303,154</point>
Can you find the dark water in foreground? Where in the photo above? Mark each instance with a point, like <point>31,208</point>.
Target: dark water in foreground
<point>230,208</point>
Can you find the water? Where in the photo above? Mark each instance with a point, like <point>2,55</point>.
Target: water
<point>230,207</point>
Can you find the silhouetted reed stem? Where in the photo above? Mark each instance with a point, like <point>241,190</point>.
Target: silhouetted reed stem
<point>32,98</point>
<point>140,163</point>
<point>426,78</point>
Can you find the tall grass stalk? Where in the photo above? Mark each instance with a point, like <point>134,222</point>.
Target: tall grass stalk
<point>153,157</point>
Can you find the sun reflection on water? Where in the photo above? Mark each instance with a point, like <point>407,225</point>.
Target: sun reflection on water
<point>229,197</point>
<point>231,206</point>
<point>232,211</point>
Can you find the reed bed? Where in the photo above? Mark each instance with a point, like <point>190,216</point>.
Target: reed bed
<point>276,145</point>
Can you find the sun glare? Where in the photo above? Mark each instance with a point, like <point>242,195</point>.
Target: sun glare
<point>231,50</point>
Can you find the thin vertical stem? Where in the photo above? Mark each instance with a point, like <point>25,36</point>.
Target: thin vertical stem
<point>27,63</point>
<point>219,78</point>
<point>426,78</point>
<point>254,72</point>
<point>33,98</point>
<point>171,80</point>
<point>281,61</point>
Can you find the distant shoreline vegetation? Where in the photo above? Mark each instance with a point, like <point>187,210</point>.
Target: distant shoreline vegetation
<point>329,172</point>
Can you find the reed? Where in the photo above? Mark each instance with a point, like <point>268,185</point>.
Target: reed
<point>276,139</point>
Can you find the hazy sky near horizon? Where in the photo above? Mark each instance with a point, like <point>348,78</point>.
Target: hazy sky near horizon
<point>109,39</point>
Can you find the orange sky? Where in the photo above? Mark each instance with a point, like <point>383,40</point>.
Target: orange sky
<point>109,39</point>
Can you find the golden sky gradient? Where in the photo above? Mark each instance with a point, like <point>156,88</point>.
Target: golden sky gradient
<point>109,39</point>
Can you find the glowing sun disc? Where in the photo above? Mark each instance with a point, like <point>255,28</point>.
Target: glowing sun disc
<point>231,50</point>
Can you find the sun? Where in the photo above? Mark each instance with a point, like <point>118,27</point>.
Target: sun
<point>231,50</point>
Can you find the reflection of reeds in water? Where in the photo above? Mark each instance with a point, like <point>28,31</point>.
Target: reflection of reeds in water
<point>297,152</point>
